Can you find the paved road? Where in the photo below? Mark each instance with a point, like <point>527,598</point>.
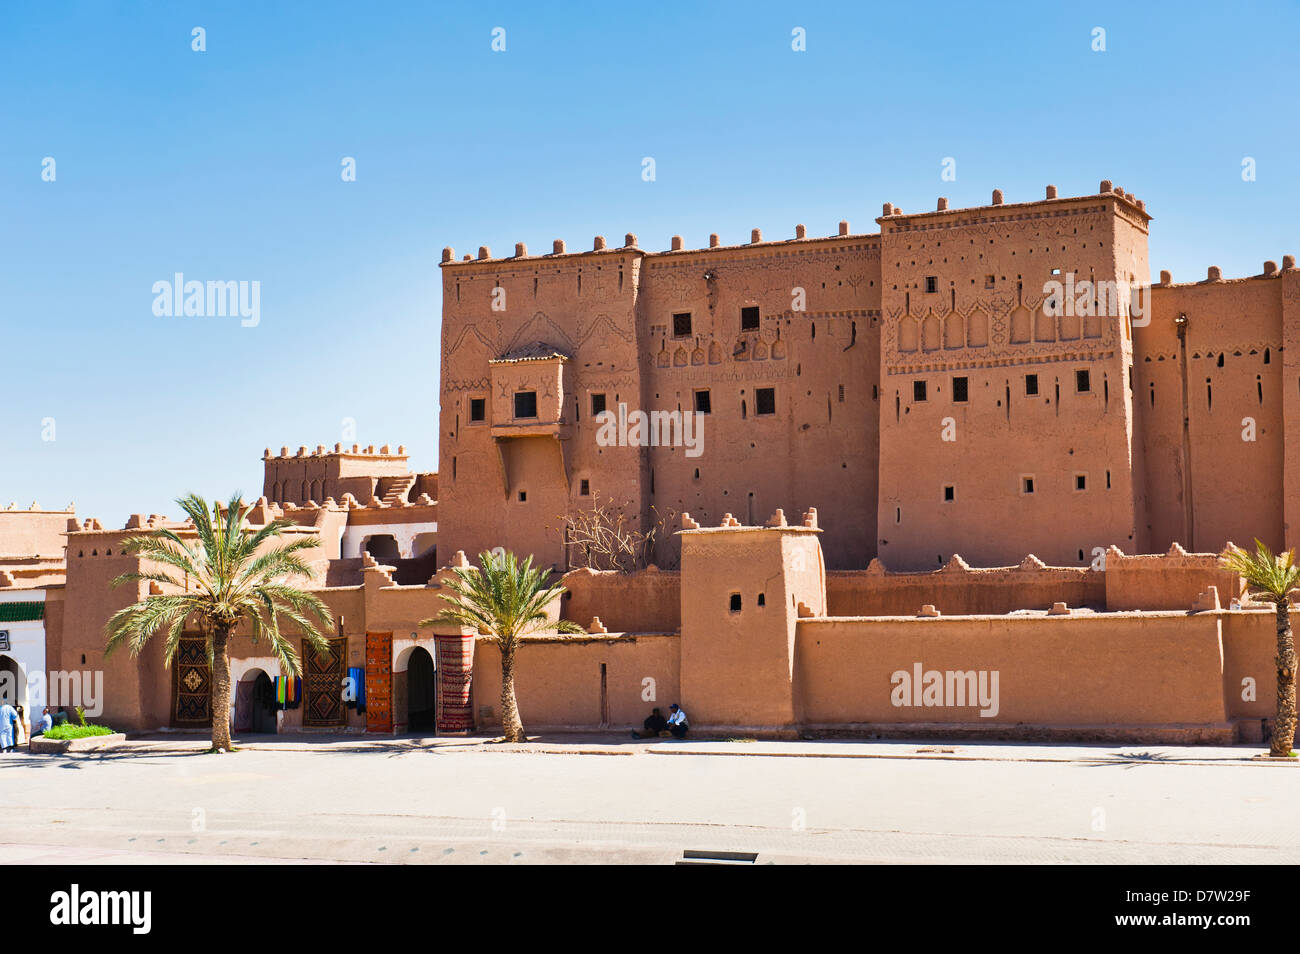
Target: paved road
<point>472,804</point>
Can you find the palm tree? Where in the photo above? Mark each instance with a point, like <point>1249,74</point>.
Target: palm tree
<point>226,581</point>
<point>505,601</point>
<point>1272,578</point>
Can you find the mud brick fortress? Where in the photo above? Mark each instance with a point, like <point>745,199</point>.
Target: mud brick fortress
<point>950,483</point>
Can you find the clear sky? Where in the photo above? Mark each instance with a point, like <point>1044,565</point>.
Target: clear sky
<point>226,164</point>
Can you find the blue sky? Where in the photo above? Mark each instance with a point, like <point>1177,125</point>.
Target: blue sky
<point>225,165</point>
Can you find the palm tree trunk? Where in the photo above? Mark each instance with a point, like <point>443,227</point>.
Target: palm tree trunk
<point>510,722</point>
<point>1284,723</point>
<point>221,689</point>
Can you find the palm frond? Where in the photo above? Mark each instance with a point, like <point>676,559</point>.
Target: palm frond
<point>1270,576</point>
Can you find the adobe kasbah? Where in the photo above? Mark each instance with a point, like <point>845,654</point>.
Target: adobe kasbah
<point>963,476</point>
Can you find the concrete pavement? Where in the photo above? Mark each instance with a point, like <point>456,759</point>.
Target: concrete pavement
<point>359,799</point>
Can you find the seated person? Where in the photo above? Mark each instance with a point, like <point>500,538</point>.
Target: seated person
<point>654,724</point>
<point>677,723</point>
<point>47,722</point>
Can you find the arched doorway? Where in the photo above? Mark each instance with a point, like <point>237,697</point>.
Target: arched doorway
<point>382,546</point>
<point>255,703</point>
<point>13,686</point>
<point>421,692</point>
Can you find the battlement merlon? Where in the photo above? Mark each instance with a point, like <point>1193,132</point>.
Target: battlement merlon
<point>368,452</point>
<point>677,248</point>
<point>893,219</point>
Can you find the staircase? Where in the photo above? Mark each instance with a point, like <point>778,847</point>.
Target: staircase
<point>393,490</point>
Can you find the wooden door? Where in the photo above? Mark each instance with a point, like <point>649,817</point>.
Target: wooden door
<point>379,682</point>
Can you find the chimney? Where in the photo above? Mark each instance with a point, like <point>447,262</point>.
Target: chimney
<point>997,196</point>
<point>677,243</point>
<point>943,203</point>
<point>844,227</point>
<point>755,236</point>
<point>713,240</point>
<point>557,247</point>
<point>599,244</point>
<point>1051,192</point>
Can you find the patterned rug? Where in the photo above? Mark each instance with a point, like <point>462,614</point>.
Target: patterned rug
<point>192,684</point>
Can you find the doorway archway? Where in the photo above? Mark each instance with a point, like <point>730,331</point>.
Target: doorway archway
<point>421,692</point>
<point>255,703</point>
<point>383,547</point>
<point>13,685</point>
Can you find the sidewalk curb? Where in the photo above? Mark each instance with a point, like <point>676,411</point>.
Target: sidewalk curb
<point>145,748</point>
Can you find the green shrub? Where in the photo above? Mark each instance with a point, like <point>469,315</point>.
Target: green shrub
<point>60,733</point>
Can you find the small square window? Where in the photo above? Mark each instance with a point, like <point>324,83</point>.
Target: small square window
<point>584,487</point>
<point>762,599</point>
<point>525,404</point>
<point>949,493</point>
<point>931,283</point>
<point>1031,384</point>
<point>477,409</point>
<point>918,390</point>
<point>1082,380</point>
<point>959,389</point>
<point>1080,481</point>
<point>989,281</point>
<point>749,318</point>
<point>735,602</point>
<point>597,404</point>
<point>1026,485</point>
<point>682,325</point>
<point>703,402</point>
<point>765,401</point>
<point>1056,271</point>
<point>523,496</point>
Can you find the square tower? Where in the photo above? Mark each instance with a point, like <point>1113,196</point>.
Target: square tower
<point>1006,354</point>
